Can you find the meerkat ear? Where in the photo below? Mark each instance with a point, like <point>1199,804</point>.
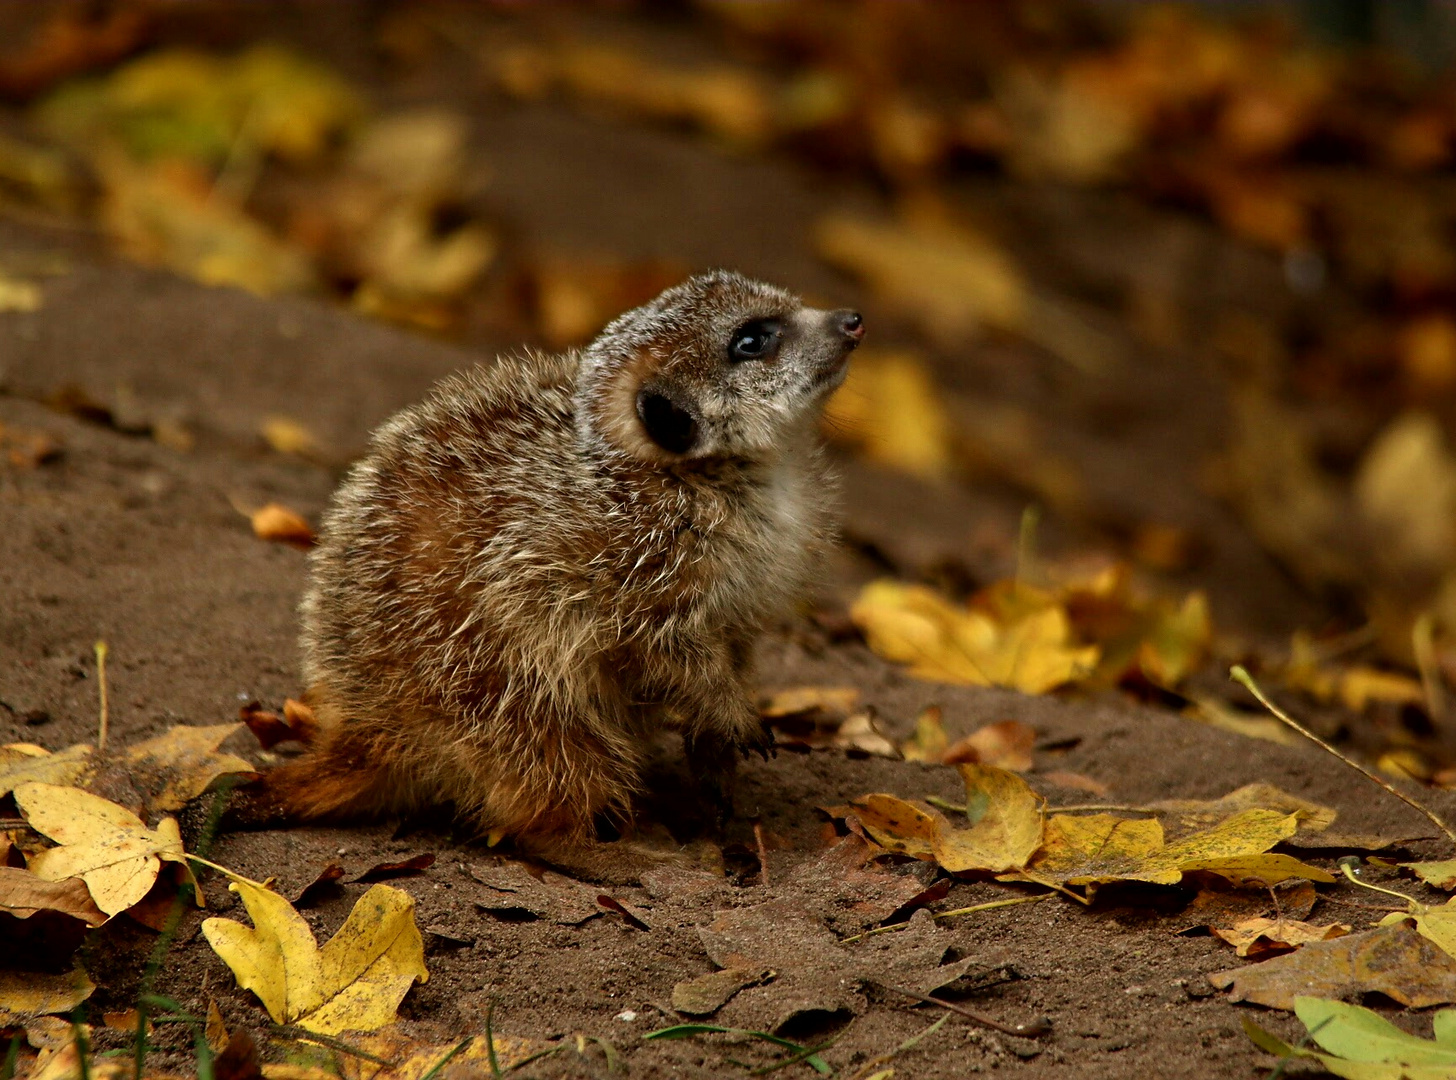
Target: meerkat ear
<point>667,424</point>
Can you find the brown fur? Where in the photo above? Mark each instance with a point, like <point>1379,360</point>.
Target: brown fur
<point>520,583</point>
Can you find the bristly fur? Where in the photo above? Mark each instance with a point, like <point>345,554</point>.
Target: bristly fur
<point>519,584</point>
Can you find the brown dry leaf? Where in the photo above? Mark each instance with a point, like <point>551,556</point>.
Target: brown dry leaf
<point>930,741</point>
<point>1006,745</point>
<point>297,723</point>
<point>1259,937</point>
<point>913,625</point>
<point>171,770</point>
<point>1225,717</point>
<point>385,871</point>
<point>1100,848</point>
<point>106,845</point>
<point>1396,961</point>
<point>512,891</point>
<point>324,882</point>
<point>1005,824</point>
<point>23,894</point>
<point>1219,903</point>
<point>276,522</point>
<point>25,995</point>
<point>1427,352</point>
<point>889,406</point>
<point>24,763</point>
<point>949,278</point>
<point>706,994</point>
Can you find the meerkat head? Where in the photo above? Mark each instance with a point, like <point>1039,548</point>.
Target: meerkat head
<point>717,366</point>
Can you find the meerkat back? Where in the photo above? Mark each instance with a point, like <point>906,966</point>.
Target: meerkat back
<point>548,560</point>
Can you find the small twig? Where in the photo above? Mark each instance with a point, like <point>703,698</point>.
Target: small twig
<point>988,906</point>
<point>101,651</point>
<point>1079,808</point>
<point>1239,675</point>
<point>762,853</point>
<point>1037,1029</point>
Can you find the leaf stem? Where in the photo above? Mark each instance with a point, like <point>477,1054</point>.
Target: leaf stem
<point>105,725</point>
<point>1239,675</point>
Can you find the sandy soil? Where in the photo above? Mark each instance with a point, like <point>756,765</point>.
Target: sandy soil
<point>123,539</point>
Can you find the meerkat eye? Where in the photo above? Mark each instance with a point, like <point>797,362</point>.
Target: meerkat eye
<point>754,340</point>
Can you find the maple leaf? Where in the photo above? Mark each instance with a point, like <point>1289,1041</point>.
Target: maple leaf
<point>354,983</point>
<point>23,894</point>
<point>913,625</point>
<point>174,768</point>
<point>25,995</point>
<point>106,845</point>
<point>23,763</point>
<point>1005,830</point>
<point>1101,848</point>
<point>1260,936</point>
<point>1363,1045</point>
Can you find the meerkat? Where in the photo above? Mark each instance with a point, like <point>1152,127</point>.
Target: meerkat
<point>550,559</point>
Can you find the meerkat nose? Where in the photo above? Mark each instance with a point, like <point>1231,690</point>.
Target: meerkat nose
<point>850,324</point>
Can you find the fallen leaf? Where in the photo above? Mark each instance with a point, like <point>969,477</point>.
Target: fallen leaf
<point>384,871</point>
<point>513,893</point>
<point>1395,961</point>
<point>1005,824</point>
<point>1405,489</point>
<point>287,436</point>
<point>354,983</point>
<point>215,1029</point>
<point>172,769</point>
<point>1006,745</point>
<point>1261,937</point>
<point>849,888</point>
<point>275,522</point>
<point>325,882</point>
<point>107,846</point>
<point>913,625</point>
<point>1201,813</point>
<point>25,763</point>
<point>25,995</point>
<point>930,741</point>
<point>799,700</point>
<point>945,275</point>
<point>1076,782</point>
<point>631,915</point>
<point>1440,875</point>
<point>890,408</point>
<point>1220,903</point>
<point>1100,848</point>
<point>1225,717</point>
<point>412,1060</point>
<point>22,894</point>
<point>708,993</point>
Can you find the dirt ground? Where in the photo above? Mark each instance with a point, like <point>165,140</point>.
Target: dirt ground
<point>123,539</point>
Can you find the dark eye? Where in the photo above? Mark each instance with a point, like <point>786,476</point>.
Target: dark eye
<point>754,340</point>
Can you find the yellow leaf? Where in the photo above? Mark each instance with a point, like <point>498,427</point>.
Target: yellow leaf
<point>1405,489</point>
<point>929,741</point>
<point>1102,848</point>
<point>354,983</point>
<point>1007,744</point>
<point>1260,936</point>
<point>28,994</point>
<point>913,625</point>
<point>175,768</point>
<point>1440,875</point>
<point>890,406</point>
<point>946,276</point>
<point>277,522</point>
<point>1201,813</point>
<point>1360,685</point>
<point>1006,823</point>
<point>24,763</point>
<point>805,699</point>
<point>106,845</point>
<point>1177,642</point>
<point>1005,816</point>
<point>288,436</point>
